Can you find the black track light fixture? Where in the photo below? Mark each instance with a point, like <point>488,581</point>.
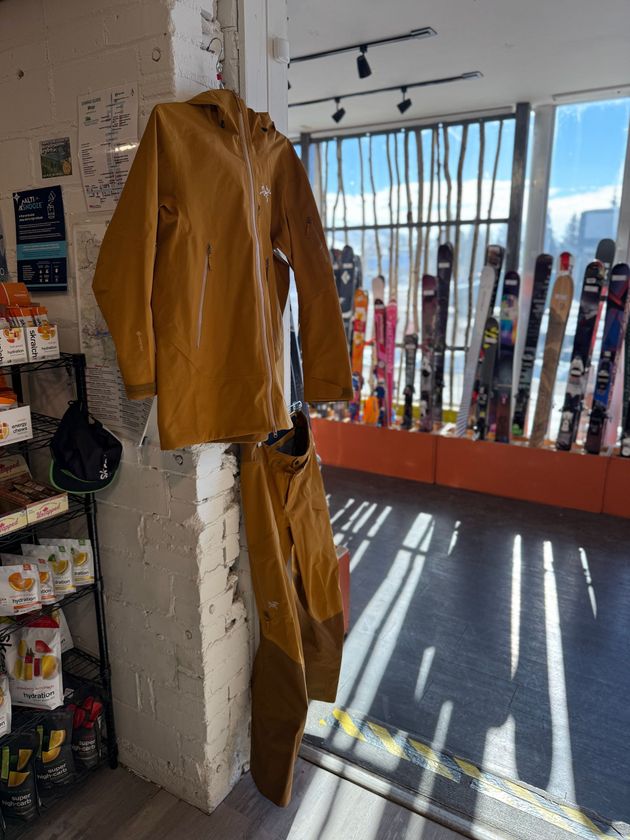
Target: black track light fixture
<point>340,113</point>
<point>363,68</point>
<point>405,103</point>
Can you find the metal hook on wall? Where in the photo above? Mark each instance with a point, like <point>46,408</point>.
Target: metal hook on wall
<point>220,59</point>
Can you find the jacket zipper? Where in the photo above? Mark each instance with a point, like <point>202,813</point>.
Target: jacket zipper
<point>202,299</point>
<point>252,206</point>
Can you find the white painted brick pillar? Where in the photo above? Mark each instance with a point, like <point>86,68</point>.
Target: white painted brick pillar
<point>179,602</point>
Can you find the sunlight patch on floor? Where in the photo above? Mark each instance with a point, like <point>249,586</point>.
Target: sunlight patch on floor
<point>561,772</point>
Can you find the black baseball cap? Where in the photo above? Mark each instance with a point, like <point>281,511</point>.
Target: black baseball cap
<point>85,455</point>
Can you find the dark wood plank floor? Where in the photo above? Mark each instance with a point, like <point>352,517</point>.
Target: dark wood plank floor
<point>117,805</point>
<point>498,628</point>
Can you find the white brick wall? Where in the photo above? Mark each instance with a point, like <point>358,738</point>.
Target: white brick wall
<point>176,589</point>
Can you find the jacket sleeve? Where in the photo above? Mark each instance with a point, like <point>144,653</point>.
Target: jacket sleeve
<point>325,351</point>
<point>123,279</point>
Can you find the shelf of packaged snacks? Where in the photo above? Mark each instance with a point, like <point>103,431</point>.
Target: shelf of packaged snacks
<point>76,509</point>
<point>15,622</point>
<point>84,668</point>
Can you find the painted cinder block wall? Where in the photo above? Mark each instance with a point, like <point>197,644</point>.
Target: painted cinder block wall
<point>177,585</point>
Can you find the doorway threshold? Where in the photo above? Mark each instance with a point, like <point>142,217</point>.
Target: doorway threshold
<point>441,786</point>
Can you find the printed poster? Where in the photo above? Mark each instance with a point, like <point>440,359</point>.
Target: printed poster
<point>55,157</point>
<point>108,139</point>
<point>106,391</point>
<point>40,232</point>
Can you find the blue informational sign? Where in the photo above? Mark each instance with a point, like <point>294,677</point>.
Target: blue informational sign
<point>40,231</point>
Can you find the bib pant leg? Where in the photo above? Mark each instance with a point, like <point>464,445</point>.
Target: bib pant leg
<point>296,586</point>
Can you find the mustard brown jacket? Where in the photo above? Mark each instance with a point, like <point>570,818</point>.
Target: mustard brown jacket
<point>188,285</point>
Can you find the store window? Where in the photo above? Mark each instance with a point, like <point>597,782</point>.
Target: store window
<point>394,196</point>
<point>585,183</point>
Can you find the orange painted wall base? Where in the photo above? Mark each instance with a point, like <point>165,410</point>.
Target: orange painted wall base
<point>563,479</point>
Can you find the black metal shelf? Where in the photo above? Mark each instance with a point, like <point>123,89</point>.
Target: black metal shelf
<point>76,508</point>
<point>6,629</point>
<point>84,667</point>
<point>65,360</point>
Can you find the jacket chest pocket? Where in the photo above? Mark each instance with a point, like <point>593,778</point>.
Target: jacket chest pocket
<point>206,269</point>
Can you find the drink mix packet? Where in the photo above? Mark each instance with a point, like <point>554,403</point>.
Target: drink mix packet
<point>46,586</point>
<point>33,661</point>
<point>18,791</point>
<point>61,567</point>
<point>19,589</point>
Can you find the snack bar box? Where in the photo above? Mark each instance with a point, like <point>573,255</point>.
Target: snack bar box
<point>19,492</point>
<point>15,425</point>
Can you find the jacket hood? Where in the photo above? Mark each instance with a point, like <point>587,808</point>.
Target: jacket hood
<point>229,103</point>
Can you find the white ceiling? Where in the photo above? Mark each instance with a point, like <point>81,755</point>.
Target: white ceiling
<point>527,50</point>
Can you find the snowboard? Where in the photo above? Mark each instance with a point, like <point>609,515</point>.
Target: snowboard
<point>542,274</point>
<point>494,258</point>
<point>358,344</point>
<point>347,271</point>
<point>410,349</point>
<point>508,325</point>
<point>391,322</point>
<point>444,272</point>
<point>612,343</point>
<point>484,296</point>
<point>486,378</point>
<point>378,293</point>
<point>588,317</point>
<point>429,307</point>
<point>559,309</point>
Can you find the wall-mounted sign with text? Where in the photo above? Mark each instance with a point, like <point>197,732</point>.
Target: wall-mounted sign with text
<point>40,232</point>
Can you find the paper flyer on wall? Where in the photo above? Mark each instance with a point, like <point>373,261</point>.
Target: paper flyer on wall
<point>108,139</point>
<point>106,390</point>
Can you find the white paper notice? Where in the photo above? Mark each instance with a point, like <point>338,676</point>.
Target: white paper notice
<point>106,391</point>
<point>108,139</point>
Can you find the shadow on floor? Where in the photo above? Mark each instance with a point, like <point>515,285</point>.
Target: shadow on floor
<point>497,630</point>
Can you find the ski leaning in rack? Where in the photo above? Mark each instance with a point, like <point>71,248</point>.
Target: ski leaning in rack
<point>560,307</point>
<point>358,343</point>
<point>494,259</point>
<point>612,344</point>
<point>588,317</point>
<point>378,293</point>
<point>347,271</point>
<point>507,339</point>
<point>624,449</point>
<point>484,296</point>
<point>391,322</point>
<point>410,349</point>
<point>445,269</point>
<point>429,311</point>
<point>605,253</point>
<point>486,378</point>
<point>542,273</point>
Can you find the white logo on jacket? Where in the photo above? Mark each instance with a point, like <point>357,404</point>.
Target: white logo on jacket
<point>265,192</point>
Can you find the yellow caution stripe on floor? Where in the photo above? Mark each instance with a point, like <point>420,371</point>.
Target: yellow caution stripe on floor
<point>514,794</point>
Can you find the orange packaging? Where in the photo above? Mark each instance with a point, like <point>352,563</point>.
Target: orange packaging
<point>19,589</point>
<point>14,294</point>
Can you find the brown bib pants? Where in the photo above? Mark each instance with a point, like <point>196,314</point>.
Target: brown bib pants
<point>296,584</point>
